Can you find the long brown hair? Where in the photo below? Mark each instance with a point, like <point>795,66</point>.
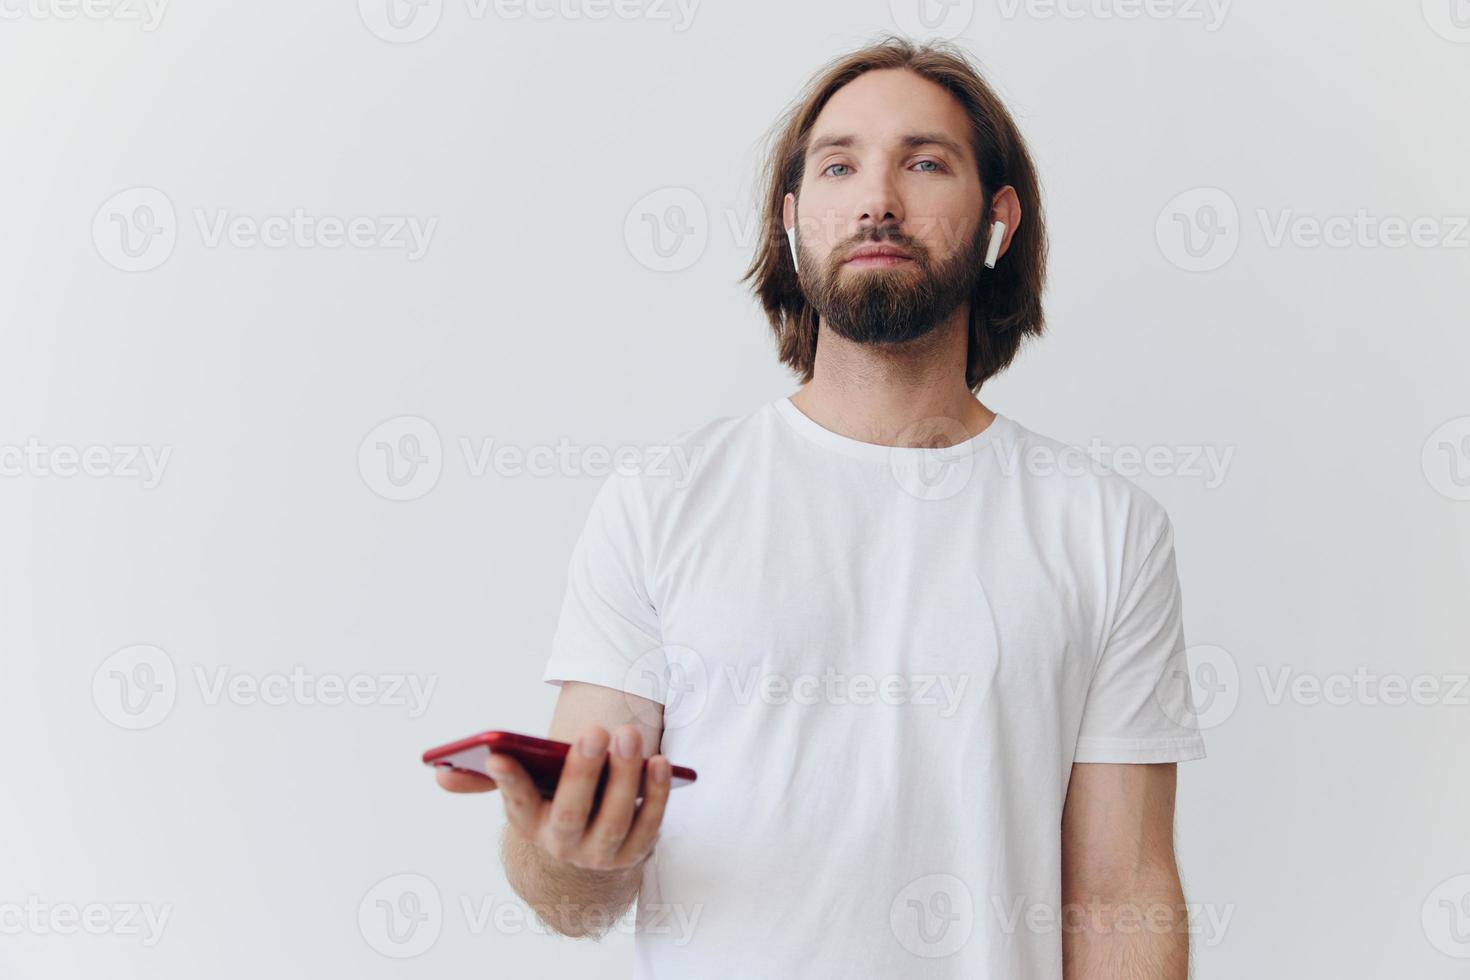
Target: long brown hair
<point>1005,306</point>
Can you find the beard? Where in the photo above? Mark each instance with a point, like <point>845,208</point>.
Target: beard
<point>891,304</point>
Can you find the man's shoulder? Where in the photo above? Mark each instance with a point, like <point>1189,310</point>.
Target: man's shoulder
<point>671,464</point>
<point>716,432</point>
<point>1087,476</point>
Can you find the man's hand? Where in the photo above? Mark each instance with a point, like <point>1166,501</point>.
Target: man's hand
<point>613,837</point>
<point>581,870</point>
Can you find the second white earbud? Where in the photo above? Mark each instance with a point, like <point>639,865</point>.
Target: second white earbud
<point>992,251</point>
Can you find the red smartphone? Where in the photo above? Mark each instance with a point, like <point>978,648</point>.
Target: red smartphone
<point>541,757</point>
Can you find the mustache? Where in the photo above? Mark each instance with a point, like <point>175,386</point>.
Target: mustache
<point>915,249</point>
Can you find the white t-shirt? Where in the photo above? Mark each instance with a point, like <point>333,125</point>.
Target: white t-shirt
<point>882,662</point>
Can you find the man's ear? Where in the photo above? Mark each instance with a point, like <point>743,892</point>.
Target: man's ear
<point>1005,206</point>
<point>788,211</point>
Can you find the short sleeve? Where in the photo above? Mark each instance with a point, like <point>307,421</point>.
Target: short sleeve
<point>608,628</point>
<point>1140,707</point>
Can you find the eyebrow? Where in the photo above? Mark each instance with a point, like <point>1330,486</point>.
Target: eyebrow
<point>909,141</point>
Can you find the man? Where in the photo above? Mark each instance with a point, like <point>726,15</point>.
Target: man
<point>930,675</point>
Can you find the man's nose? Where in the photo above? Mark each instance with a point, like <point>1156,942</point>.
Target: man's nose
<point>879,202</point>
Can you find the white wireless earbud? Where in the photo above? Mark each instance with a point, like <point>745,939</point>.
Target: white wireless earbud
<point>791,240</point>
<point>997,235</point>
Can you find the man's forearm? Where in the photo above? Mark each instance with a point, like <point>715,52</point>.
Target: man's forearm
<point>573,901</point>
<point>1138,930</point>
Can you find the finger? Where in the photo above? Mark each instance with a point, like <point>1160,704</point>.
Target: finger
<point>523,803</point>
<point>615,811</point>
<point>463,781</point>
<point>572,802</point>
<point>650,814</point>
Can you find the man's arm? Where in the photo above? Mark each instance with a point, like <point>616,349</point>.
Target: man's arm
<point>1122,903</point>
<point>580,870</point>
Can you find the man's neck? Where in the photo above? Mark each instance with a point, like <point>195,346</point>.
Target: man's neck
<point>910,394</point>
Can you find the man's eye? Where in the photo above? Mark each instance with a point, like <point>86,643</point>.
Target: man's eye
<point>935,164</point>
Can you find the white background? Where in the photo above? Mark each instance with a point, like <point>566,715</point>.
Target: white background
<point>1331,835</point>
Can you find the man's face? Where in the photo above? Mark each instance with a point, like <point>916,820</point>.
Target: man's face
<point>889,163</point>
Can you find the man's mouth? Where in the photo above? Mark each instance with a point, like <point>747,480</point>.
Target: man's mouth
<point>866,261</point>
<point>878,255</point>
